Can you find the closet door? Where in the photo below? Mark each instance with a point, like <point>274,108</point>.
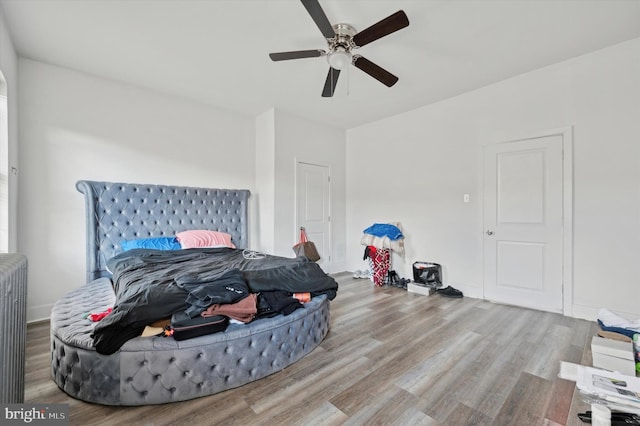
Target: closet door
<point>313,194</point>
<point>523,223</point>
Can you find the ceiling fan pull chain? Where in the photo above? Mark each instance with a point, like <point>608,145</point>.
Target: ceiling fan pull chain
<point>348,80</point>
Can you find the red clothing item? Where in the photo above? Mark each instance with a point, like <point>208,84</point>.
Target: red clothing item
<point>99,315</point>
<point>380,263</point>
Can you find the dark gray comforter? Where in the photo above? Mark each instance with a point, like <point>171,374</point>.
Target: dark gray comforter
<point>149,285</point>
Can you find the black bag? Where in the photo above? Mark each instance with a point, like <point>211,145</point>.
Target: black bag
<point>427,273</point>
<point>305,247</point>
<point>185,327</point>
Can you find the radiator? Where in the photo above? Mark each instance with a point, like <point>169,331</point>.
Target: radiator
<point>13,327</point>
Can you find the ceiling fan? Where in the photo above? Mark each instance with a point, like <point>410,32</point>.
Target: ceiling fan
<point>342,39</point>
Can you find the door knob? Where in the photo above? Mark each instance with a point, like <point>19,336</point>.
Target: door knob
<point>489,232</point>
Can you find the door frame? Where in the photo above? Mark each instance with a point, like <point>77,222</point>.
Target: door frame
<point>296,225</point>
<point>566,134</point>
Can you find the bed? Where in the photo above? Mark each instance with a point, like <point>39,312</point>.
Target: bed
<point>157,369</point>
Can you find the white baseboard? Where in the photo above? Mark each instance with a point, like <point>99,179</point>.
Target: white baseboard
<point>39,312</point>
<point>467,290</point>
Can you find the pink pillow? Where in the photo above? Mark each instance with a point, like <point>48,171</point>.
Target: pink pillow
<point>204,238</point>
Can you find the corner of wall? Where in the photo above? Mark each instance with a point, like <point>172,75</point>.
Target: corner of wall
<point>263,201</point>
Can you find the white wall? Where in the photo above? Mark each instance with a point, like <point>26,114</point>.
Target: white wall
<point>298,139</point>
<point>415,168</point>
<point>74,126</point>
<point>264,197</point>
<point>9,68</point>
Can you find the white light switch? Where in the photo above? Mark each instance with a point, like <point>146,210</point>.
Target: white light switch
<point>466,198</point>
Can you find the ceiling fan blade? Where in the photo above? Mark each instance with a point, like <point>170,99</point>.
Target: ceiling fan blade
<point>296,54</point>
<point>375,71</point>
<point>330,83</point>
<point>388,25</point>
<point>319,17</point>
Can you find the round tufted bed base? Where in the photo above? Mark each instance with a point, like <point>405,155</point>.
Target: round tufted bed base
<point>156,370</point>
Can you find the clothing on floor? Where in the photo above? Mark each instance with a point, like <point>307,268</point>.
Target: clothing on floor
<point>379,264</point>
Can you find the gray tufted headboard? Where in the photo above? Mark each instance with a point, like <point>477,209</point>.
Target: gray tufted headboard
<point>125,211</point>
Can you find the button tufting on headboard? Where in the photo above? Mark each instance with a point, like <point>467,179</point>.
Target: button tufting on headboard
<point>123,211</point>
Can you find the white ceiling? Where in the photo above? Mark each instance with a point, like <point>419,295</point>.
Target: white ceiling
<point>216,51</point>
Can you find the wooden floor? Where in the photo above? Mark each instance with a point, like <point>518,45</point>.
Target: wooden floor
<point>390,358</point>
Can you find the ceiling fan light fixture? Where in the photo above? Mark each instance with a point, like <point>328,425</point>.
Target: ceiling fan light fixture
<point>341,39</point>
<point>339,59</point>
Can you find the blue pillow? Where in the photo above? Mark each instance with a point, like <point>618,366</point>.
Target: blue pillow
<point>158,243</point>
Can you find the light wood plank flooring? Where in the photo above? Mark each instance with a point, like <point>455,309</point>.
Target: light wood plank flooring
<point>390,358</point>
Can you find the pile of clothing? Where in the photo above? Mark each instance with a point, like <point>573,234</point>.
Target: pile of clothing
<point>152,285</point>
<point>617,327</point>
<point>380,239</point>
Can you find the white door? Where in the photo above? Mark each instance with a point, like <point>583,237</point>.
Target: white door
<point>523,223</point>
<point>313,187</point>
